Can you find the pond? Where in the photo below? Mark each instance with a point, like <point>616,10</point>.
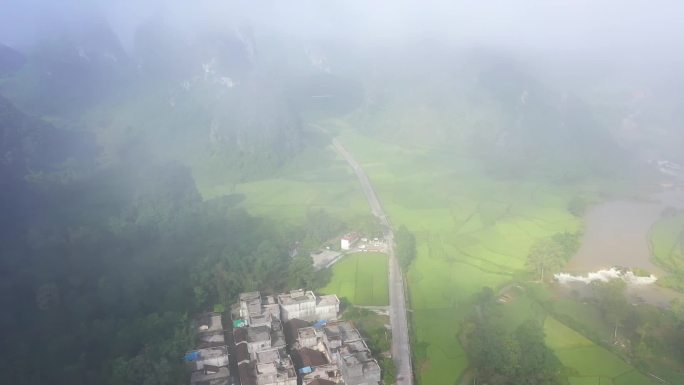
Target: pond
<point>617,234</point>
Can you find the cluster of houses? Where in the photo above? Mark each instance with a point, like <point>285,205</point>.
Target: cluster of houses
<point>209,361</point>
<point>288,339</point>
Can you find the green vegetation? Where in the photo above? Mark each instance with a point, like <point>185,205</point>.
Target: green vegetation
<point>583,360</point>
<point>667,248</point>
<point>373,328</point>
<point>550,254</point>
<point>109,261</point>
<point>361,279</point>
<point>589,363</point>
<point>503,357</point>
<point>211,175</point>
<point>646,336</point>
<point>471,231</point>
<point>406,247</point>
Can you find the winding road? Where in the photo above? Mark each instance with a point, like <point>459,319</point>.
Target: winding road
<point>401,349</point>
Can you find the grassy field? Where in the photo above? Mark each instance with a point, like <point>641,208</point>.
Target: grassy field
<point>591,364</point>
<point>316,179</point>
<point>472,231</point>
<point>667,249</point>
<point>667,236</point>
<point>361,278</point>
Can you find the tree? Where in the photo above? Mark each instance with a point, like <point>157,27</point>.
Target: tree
<point>568,242</point>
<point>301,272</point>
<point>537,363</point>
<point>546,256</point>
<point>406,247</point>
<point>613,304</point>
<point>493,352</point>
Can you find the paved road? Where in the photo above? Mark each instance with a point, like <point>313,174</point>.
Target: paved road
<point>401,350</point>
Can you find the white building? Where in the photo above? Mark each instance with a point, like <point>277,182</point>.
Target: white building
<point>348,241</point>
<point>306,306</point>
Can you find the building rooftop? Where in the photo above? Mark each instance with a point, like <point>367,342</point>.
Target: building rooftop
<point>208,322</point>
<point>242,354</point>
<point>258,334</point>
<point>350,236</point>
<point>250,295</point>
<point>247,373</point>
<point>341,330</point>
<point>240,335</point>
<point>307,332</point>
<point>329,374</point>
<point>211,375</point>
<point>320,381</point>
<point>308,357</point>
<point>255,373</point>
<point>327,300</point>
<point>211,339</point>
<point>208,357</point>
<point>295,297</point>
<point>354,347</point>
<point>213,351</point>
<point>268,356</point>
<point>291,329</point>
<point>278,339</point>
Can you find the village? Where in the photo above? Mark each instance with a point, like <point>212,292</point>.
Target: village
<point>293,338</point>
<point>285,339</point>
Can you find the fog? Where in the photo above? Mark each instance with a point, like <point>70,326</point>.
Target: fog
<point>159,158</point>
<point>580,26</point>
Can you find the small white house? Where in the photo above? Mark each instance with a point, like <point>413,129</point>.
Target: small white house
<point>348,241</point>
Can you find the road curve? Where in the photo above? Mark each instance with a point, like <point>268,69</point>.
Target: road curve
<point>401,350</point>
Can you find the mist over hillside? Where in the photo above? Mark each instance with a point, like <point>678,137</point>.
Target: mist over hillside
<point>157,158</point>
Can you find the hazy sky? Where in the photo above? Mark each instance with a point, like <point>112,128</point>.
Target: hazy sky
<point>575,25</point>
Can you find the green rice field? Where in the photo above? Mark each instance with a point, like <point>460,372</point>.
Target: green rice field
<point>472,231</point>
<point>592,364</point>
<point>315,180</point>
<point>360,278</point>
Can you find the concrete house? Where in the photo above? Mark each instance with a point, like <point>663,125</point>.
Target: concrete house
<point>213,356</point>
<point>326,374</point>
<point>271,367</point>
<point>211,375</point>
<point>306,337</point>
<point>306,306</point>
<point>209,361</point>
<point>348,241</point>
<point>258,338</point>
<point>209,330</point>
<point>357,365</point>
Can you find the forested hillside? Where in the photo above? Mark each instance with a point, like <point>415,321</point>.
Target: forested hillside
<point>102,267</point>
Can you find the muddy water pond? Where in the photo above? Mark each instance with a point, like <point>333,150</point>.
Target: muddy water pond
<point>617,234</point>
